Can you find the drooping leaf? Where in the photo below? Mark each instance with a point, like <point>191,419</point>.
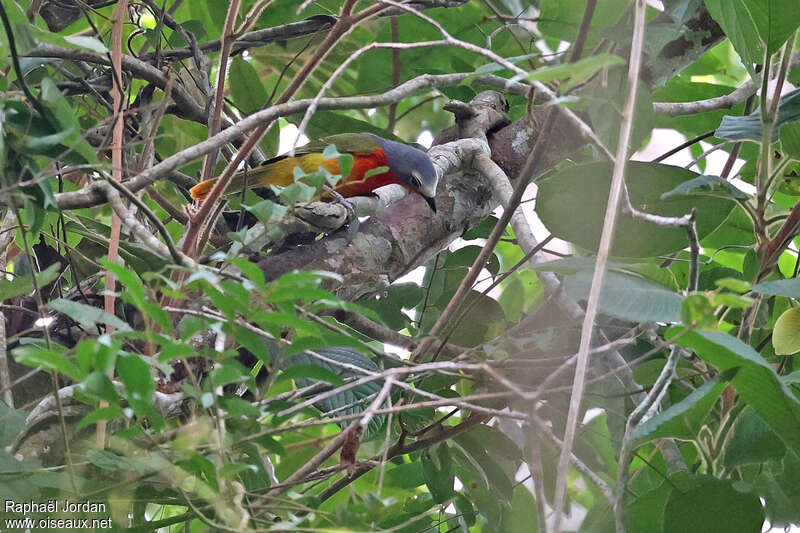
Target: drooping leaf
<point>683,419</point>
<point>582,191</point>
<point>756,381</point>
<point>749,128</point>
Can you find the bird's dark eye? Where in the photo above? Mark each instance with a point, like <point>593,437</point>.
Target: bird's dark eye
<point>415,182</point>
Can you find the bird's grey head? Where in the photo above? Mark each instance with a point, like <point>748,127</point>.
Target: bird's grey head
<point>412,167</point>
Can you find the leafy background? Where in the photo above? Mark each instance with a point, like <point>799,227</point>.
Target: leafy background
<point>222,386</point>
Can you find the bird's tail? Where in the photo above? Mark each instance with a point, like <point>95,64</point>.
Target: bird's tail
<point>276,171</point>
<point>260,175</point>
<point>201,190</point>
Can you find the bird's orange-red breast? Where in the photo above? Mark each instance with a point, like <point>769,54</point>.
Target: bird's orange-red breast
<point>404,164</point>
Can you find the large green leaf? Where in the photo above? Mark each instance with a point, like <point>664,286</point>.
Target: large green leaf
<point>521,516</point>
<point>248,92</point>
<point>756,381</point>
<point>472,453</point>
<point>712,505</point>
<point>782,287</point>
<point>753,24</point>
<point>350,401</point>
<point>753,442</point>
<point>629,297</point>
<point>437,469</point>
<point>572,205</point>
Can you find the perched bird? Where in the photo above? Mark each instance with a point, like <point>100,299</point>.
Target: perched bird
<point>403,164</point>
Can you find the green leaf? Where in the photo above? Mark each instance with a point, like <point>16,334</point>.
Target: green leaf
<point>790,141</point>
<point>776,20</point>
<point>498,443</point>
<point>734,301</point>
<point>437,469</point>
<point>102,413</point>
<point>41,145</point>
<point>24,284</point>
<point>86,315</point>
<point>577,72</point>
<point>786,334</point>
<point>697,311</point>
<point>756,381</point>
<point>572,205</point>
<point>522,516</point>
<point>474,457</point>
<point>67,119</point>
<point>684,419</point>
<point>47,359</point>
<point>753,442</point>
<point>405,476</point>
<point>127,279</point>
<point>330,152</point>
<point>324,123</point>
<point>374,171</point>
<point>737,21</point>
<point>230,371</point>
<point>782,287</point>
<point>350,401</point>
<point>134,373</point>
<point>97,385</point>
<point>90,43</point>
<point>712,505</point>
<point>629,297</point>
<point>733,284</point>
<point>561,19</point>
<point>749,128</point>
<point>267,211</point>
<point>484,321</point>
<point>246,88</point>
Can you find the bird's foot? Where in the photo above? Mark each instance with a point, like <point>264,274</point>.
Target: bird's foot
<point>352,215</point>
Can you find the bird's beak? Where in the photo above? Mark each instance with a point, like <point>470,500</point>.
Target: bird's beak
<point>431,203</point>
